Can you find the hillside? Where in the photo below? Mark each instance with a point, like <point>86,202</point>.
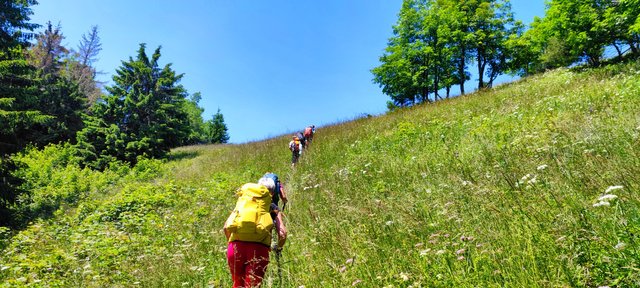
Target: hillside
<point>500,188</point>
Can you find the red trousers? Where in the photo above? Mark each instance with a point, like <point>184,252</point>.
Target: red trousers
<point>247,262</point>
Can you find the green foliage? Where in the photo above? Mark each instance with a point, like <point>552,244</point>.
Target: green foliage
<point>579,31</point>
<point>216,129</point>
<point>434,41</point>
<point>144,115</point>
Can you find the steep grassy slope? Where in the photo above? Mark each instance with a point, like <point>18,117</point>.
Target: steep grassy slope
<point>494,189</point>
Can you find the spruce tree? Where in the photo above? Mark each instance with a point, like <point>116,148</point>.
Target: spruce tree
<point>143,114</point>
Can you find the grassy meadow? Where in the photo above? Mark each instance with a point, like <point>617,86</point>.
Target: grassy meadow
<point>531,184</point>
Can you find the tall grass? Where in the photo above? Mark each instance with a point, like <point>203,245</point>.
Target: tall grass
<point>499,188</point>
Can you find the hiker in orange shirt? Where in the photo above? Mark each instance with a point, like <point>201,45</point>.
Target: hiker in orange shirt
<point>296,149</point>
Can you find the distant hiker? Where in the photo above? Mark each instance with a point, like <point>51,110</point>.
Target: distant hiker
<point>296,149</point>
<point>279,193</point>
<point>248,231</point>
<point>308,134</point>
<point>303,140</point>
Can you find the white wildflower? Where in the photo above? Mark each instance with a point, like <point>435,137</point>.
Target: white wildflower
<point>356,282</point>
<point>613,188</point>
<point>607,197</point>
<point>425,252</point>
<point>601,203</point>
<point>525,177</point>
<point>466,183</point>
<point>388,223</point>
<point>620,246</point>
<point>542,167</point>
<point>4,268</point>
<point>404,276</point>
<point>349,261</point>
<point>367,165</point>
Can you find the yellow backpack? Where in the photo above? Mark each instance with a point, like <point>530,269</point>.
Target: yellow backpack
<point>250,221</point>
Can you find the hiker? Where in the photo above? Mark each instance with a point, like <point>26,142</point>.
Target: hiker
<point>248,231</point>
<point>303,140</point>
<point>308,135</point>
<point>279,193</point>
<point>296,149</point>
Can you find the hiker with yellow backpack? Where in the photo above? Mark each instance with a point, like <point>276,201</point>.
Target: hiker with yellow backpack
<point>248,231</point>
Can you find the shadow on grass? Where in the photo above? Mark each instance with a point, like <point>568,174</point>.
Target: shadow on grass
<point>182,155</point>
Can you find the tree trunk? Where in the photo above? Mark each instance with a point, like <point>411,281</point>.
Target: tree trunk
<point>481,65</point>
<point>461,70</point>
<point>617,50</point>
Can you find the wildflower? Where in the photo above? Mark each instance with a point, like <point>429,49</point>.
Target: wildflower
<point>604,287</point>
<point>542,167</point>
<point>601,203</point>
<point>440,252</point>
<point>607,197</point>
<point>367,165</point>
<point>418,245</point>
<point>613,188</point>
<point>404,276</point>
<point>460,258</point>
<point>424,252</point>
<point>620,246</point>
<point>525,177</point>
<point>461,251</point>
<point>342,269</point>
<point>388,223</point>
<point>356,282</point>
<point>349,261</point>
<point>466,183</point>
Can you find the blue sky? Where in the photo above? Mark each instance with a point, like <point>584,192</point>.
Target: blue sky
<point>271,67</point>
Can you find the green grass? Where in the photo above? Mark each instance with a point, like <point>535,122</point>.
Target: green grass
<point>493,189</point>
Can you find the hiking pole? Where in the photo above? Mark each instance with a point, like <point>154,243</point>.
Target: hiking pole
<point>278,256</point>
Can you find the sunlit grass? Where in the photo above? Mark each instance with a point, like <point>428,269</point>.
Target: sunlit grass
<point>533,184</point>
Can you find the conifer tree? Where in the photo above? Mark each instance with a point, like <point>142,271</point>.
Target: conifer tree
<point>217,130</point>
<point>143,115</point>
<point>19,112</point>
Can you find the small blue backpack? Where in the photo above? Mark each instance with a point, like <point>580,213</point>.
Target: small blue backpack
<point>276,195</point>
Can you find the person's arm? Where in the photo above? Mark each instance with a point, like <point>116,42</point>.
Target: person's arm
<point>227,233</point>
<point>281,230</point>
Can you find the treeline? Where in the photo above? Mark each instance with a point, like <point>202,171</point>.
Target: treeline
<point>49,95</point>
<point>436,42</point>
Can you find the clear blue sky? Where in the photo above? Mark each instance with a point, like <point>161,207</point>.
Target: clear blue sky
<point>272,67</point>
